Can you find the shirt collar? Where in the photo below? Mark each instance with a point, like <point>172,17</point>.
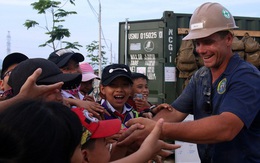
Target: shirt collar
<point>233,63</point>
<point>126,108</point>
<point>68,95</point>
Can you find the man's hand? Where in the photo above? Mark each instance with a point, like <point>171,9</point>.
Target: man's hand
<point>137,136</point>
<point>151,142</point>
<point>156,145</point>
<point>114,138</point>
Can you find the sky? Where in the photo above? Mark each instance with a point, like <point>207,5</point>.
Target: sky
<point>84,26</point>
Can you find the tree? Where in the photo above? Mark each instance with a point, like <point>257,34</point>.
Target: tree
<point>93,54</point>
<point>57,31</point>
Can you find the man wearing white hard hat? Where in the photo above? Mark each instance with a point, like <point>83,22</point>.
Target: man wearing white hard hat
<point>223,96</point>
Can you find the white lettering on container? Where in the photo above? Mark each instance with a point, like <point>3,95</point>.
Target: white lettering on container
<point>170,40</point>
<point>133,36</point>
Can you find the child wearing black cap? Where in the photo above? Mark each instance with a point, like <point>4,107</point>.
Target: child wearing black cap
<point>116,86</point>
<point>9,63</point>
<point>68,62</point>
<point>50,74</point>
<point>30,90</point>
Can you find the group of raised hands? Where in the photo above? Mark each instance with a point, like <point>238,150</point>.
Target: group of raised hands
<point>147,147</point>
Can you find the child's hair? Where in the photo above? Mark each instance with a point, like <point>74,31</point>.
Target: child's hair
<point>90,144</point>
<point>37,131</point>
<point>136,75</point>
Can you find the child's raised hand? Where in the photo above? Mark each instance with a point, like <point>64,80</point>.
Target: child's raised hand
<point>141,103</point>
<point>161,107</point>
<point>155,145</point>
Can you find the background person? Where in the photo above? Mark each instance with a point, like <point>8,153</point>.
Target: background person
<point>88,79</point>
<point>139,87</point>
<point>9,63</point>
<point>68,62</point>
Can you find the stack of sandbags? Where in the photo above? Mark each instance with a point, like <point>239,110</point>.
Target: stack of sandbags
<point>248,49</point>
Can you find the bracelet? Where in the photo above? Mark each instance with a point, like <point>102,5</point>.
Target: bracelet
<point>151,109</point>
<point>110,147</point>
<point>144,111</point>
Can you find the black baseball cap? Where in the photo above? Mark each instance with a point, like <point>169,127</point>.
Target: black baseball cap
<point>113,71</point>
<point>11,59</point>
<point>50,74</point>
<point>62,56</point>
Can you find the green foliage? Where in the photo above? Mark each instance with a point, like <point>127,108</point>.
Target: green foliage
<point>93,54</point>
<point>56,32</point>
<point>30,23</point>
<point>42,5</point>
<point>74,45</point>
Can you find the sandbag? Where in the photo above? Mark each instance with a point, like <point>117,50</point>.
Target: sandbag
<point>250,44</point>
<point>237,45</point>
<point>241,54</point>
<point>199,61</point>
<point>186,82</point>
<point>185,60</point>
<point>253,58</point>
<point>186,74</point>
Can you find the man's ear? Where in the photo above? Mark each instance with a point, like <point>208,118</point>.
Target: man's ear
<point>230,38</point>
<point>85,155</point>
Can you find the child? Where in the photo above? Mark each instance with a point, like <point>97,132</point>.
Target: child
<point>38,131</point>
<point>93,145</point>
<point>95,149</point>
<point>68,62</point>
<point>50,74</point>
<point>87,82</point>
<point>116,87</point>
<point>30,90</point>
<point>140,87</point>
<point>139,96</point>
<point>9,63</point>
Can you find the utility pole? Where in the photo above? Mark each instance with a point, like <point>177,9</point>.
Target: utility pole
<point>99,47</point>
<point>8,43</point>
<point>111,55</point>
<point>126,34</point>
<point>110,48</point>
